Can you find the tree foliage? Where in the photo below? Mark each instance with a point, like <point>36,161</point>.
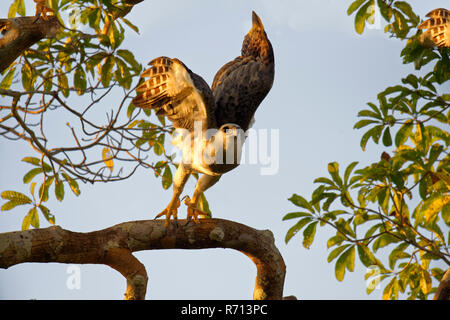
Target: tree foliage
<point>397,207</point>
<point>72,78</point>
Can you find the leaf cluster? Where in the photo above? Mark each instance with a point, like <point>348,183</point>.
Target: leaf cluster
<point>399,205</point>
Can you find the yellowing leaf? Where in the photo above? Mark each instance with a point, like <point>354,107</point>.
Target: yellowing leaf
<point>433,205</point>
<point>107,157</point>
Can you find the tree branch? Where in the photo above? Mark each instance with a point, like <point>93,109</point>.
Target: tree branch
<point>114,246</point>
<point>21,33</point>
<point>443,290</point>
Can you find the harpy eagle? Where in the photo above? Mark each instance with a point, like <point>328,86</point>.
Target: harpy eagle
<point>212,120</point>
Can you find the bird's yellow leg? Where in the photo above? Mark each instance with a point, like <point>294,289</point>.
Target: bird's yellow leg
<point>205,182</point>
<point>180,179</point>
<point>192,211</point>
<point>170,211</point>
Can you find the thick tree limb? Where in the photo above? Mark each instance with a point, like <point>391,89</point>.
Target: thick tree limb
<point>114,246</point>
<point>443,290</point>
<point>21,33</point>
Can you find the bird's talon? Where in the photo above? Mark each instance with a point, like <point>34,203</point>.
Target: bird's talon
<point>170,211</point>
<point>192,211</point>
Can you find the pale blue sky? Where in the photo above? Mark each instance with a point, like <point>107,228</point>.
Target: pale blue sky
<point>325,73</point>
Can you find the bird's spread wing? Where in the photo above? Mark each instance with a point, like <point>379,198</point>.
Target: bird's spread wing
<point>176,92</point>
<point>241,85</point>
<point>438,27</point>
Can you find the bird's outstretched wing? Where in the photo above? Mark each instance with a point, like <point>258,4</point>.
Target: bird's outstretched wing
<point>438,27</point>
<point>240,85</point>
<point>176,92</point>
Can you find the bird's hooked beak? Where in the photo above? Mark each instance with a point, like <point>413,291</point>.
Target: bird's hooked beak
<point>256,22</point>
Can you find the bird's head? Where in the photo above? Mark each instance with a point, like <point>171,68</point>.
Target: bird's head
<point>230,133</point>
<point>226,144</point>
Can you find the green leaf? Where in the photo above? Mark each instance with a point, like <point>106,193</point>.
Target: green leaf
<point>336,252</point>
<point>59,190</point>
<point>370,114</point>
<point>9,205</point>
<point>361,16</point>
<point>308,234</point>
<point>15,199</point>
<point>72,183</point>
<point>122,74</point>
<point>46,212</point>
<point>385,10</point>
<point>384,240</point>
<point>346,260</point>
<point>130,109</point>
<point>365,122</point>
<point>349,170</point>
<point>37,162</point>
<point>79,80</point>
<point>7,80</point>
<point>21,7</point>
<point>13,9</point>
<point>435,151</point>
<point>296,228</point>
<point>354,6</point>
<point>387,139</point>
<point>203,205</point>
<point>333,169</point>
<point>293,215</point>
<point>373,133</point>
<point>48,83</point>
<point>31,218</point>
<point>404,133</point>
<point>324,180</point>
<point>63,83</point>
<point>27,77</point>
<point>43,190</point>
<point>301,202</point>
<point>397,254</point>
<point>367,258</point>
<point>158,146</point>
<point>132,26</point>
<point>335,240</point>
<point>31,174</point>
<point>106,72</point>
<point>167,178</point>
<point>405,7</point>
<point>446,214</point>
<point>128,56</point>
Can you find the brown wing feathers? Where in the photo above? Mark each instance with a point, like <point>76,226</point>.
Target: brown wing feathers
<point>152,93</point>
<point>240,85</point>
<point>438,27</point>
<point>176,92</point>
<point>238,88</point>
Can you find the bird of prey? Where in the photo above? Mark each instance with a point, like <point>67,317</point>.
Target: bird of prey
<point>212,120</point>
<point>437,29</point>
